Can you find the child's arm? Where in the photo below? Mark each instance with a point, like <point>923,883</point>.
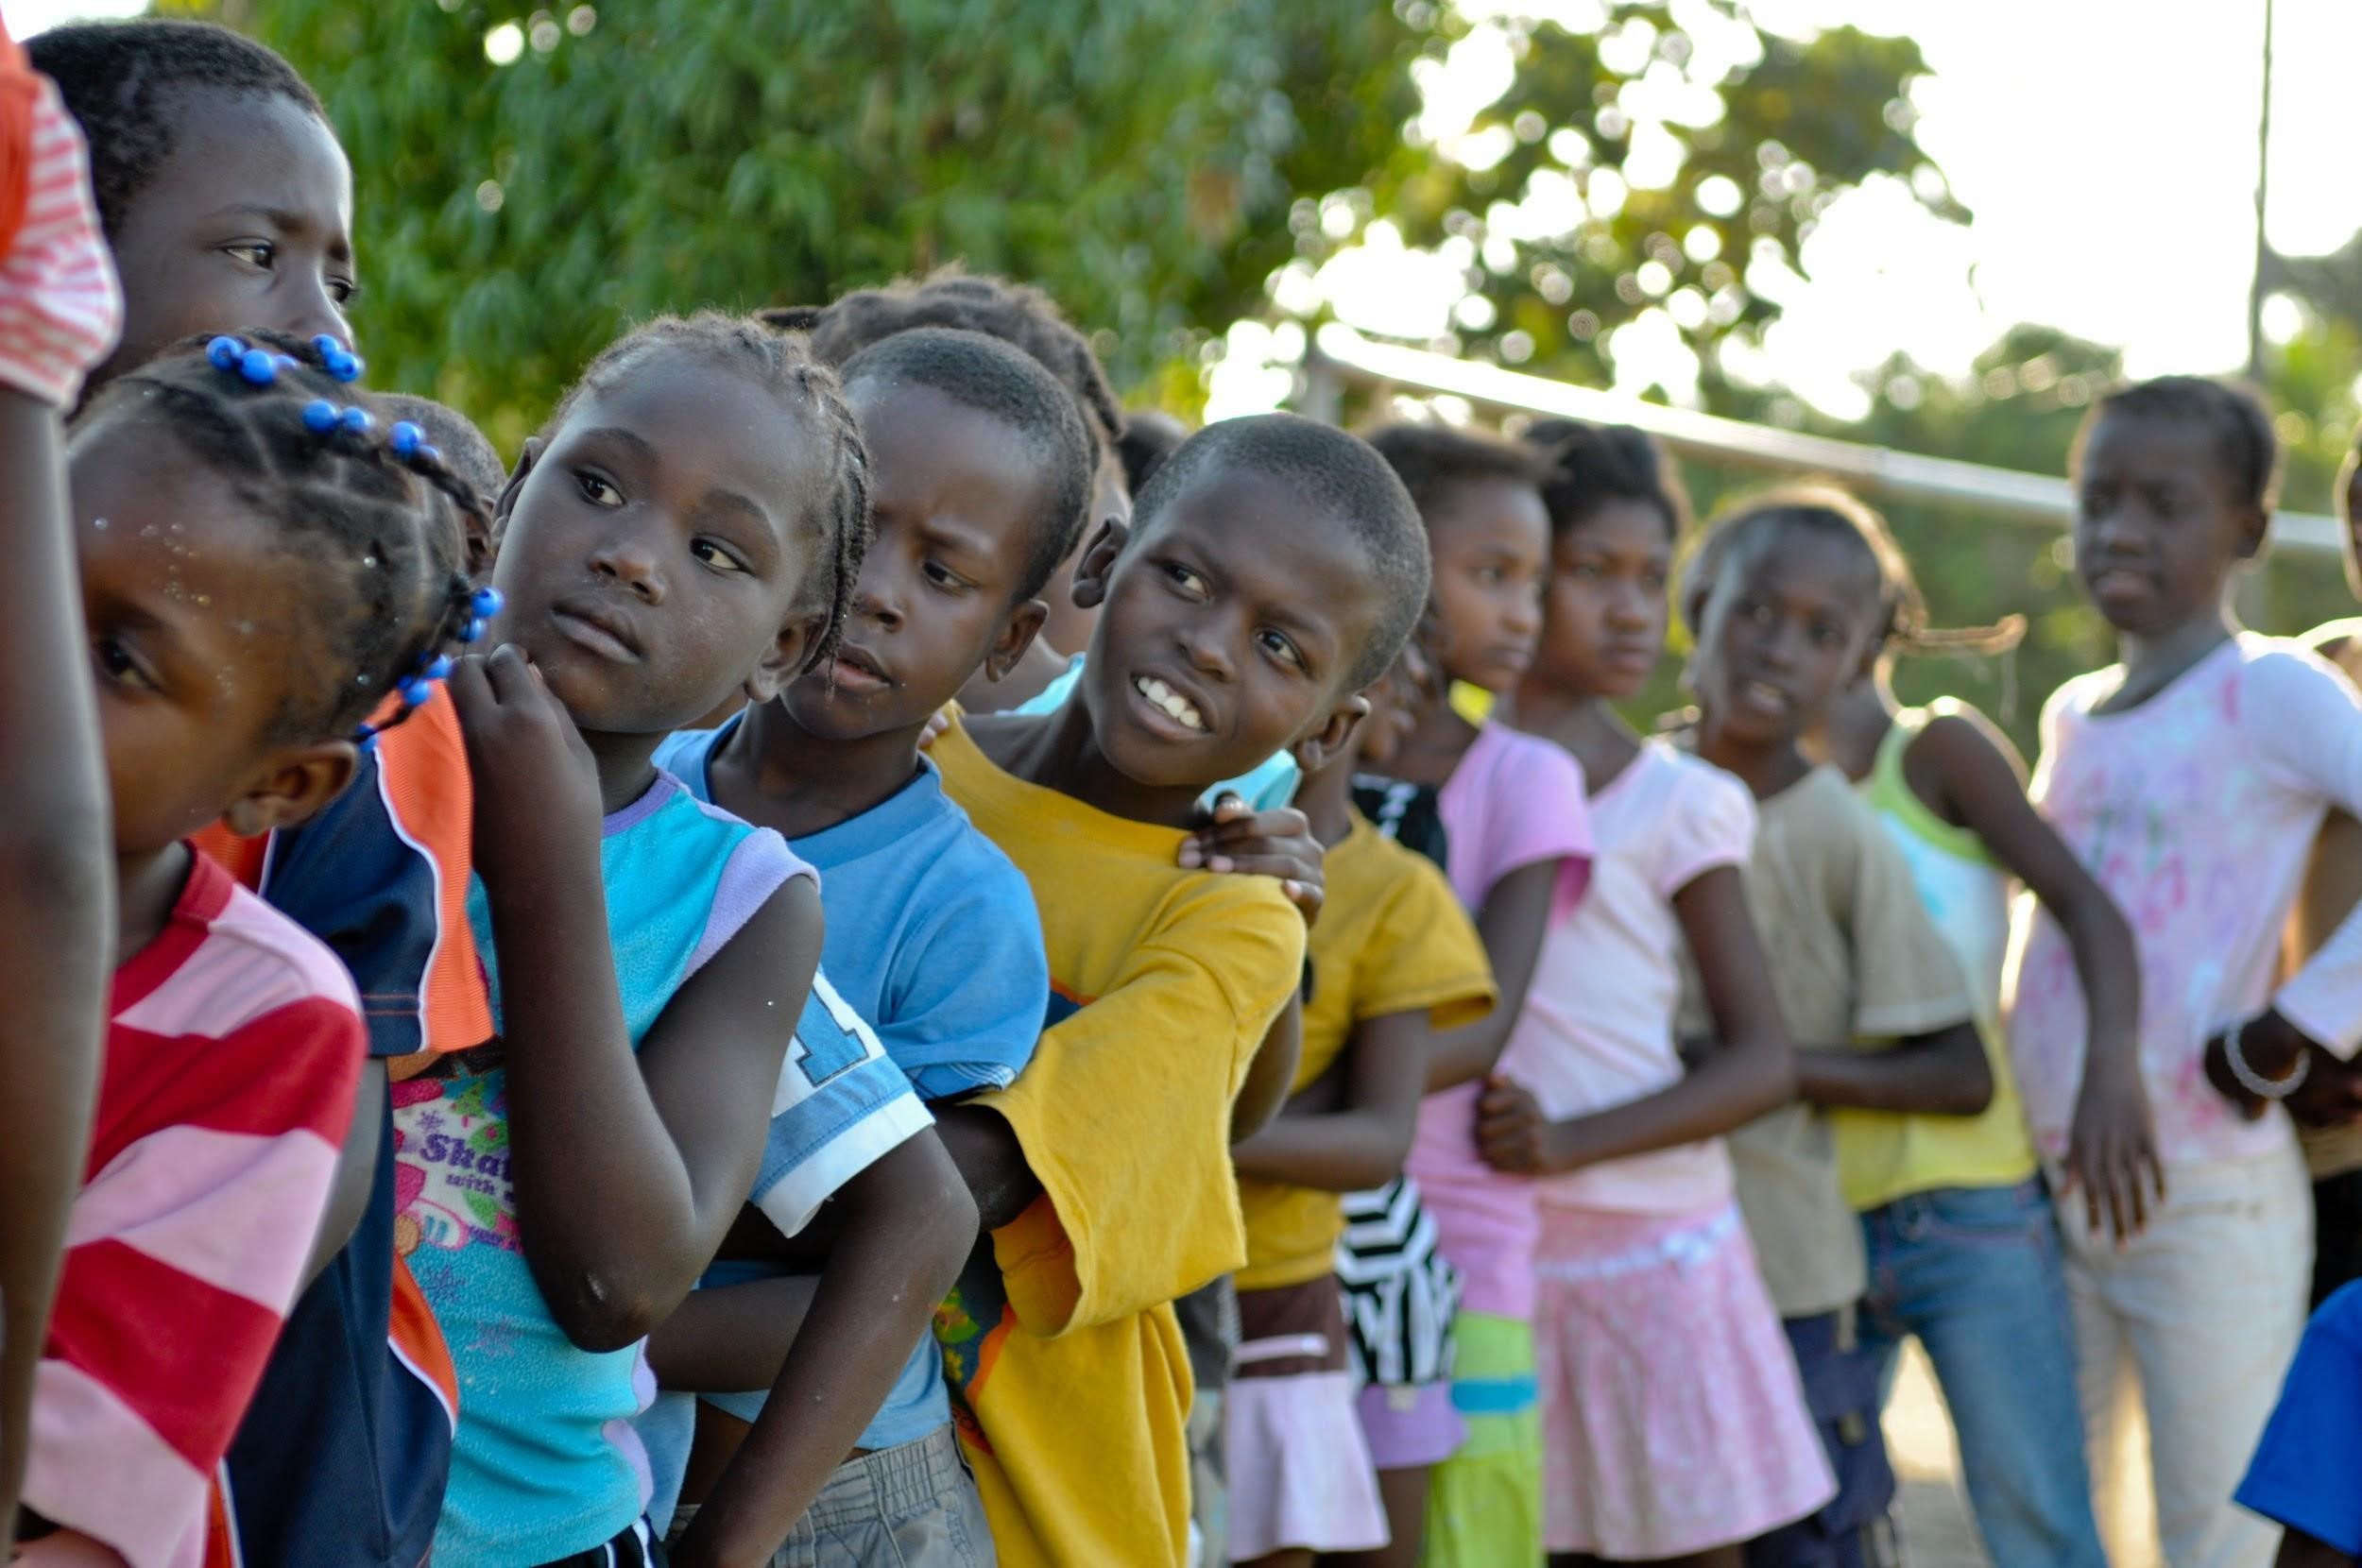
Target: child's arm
<point>1516,914</point>
<point>60,310</point>
<point>1268,1076</point>
<point>1942,1073</point>
<point>1748,1067</point>
<point>2112,1148</point>
<point>909,1226</point>
<point>1364,1142</point>
<point>629,1169</point>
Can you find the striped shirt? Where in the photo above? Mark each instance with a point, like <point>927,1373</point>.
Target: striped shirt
<point>233,1049</point>
<point>59,306</point>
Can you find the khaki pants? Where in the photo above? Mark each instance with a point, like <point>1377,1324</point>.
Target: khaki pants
<point>910,1506</point>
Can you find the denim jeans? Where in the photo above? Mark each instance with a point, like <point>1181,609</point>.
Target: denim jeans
<point>1974,1274</point>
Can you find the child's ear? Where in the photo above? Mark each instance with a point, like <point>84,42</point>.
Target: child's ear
<point>1099,563</point>
<point>1314,751</point>
<point>2254,524</point>
<point>534,446</point>
<point>784,659</point>
<point>293,787</point>
<point>1017,635</point>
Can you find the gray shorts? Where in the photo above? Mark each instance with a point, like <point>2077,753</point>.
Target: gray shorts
<point>910,1506</point>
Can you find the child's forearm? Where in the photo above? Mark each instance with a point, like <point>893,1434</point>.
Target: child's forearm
<point>1269,1075</point>
<point>2109,966</point>
<point>57,900</point>
<point>913,1227</point>
<point>1731,1086</point>
<point>733,1338</point>
<point>1349,1152</point>
<point>1943,1074</point>
<point>990,1159</point>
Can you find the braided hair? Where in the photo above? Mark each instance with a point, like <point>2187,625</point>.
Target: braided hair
<point>1591,466</point>
<point>1017,313</point>
<point>380,514</point>
<point>784,364</point>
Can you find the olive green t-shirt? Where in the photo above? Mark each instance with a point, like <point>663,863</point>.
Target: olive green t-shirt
<point>1855,960</point>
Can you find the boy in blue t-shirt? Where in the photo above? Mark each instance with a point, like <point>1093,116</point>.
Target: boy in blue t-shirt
<point>979,472</point>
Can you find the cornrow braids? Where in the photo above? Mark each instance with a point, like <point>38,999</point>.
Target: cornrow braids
<point>120,80</point>
<point>381,514</point>
<point>2244,441</point>
<point>1430,459</point>
<point>1590,467</point>
<point>1017,313</point>
<point>784,364</point>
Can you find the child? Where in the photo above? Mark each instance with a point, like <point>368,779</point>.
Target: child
<point>226,201</point>
<point>1512,809</point>
<point>260,567</point>
<point>455,436</point>
<point>1963,1245</point>
<point>59,313</point>
<point>2300,1477</point>
<point>1025,318</point>
<point>1677,1430</point>
<point>979,473</point>
<point>2329,1105</point>
<point>1785,598</point>
<point>2191,780</point>
<point>1276,568</point>
<point>1393,958</point>
<point>691,521</point>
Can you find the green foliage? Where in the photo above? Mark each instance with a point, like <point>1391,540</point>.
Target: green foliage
<point>1134,157</point>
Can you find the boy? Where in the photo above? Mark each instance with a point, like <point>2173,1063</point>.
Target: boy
<point>978,472</point>
<point>227,203</point>
<point>1274,566</point>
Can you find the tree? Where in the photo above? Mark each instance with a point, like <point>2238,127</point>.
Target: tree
<point>1138,158</point>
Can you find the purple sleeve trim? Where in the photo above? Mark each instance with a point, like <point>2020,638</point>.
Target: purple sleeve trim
<point>758,868</point>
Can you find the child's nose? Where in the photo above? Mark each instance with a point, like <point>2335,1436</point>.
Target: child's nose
<point>624,560</point>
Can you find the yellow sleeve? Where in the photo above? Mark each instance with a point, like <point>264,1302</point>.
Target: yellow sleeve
<point>1425,954</point>
<point>1125,1113</point>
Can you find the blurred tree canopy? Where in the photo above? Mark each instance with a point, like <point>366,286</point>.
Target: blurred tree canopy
<point>1138,158</point>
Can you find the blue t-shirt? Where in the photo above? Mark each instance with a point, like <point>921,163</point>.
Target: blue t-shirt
<point>2302,1477</point>
<point>1268,788</point>
<point>933,939</point>
<point>547,1463</point>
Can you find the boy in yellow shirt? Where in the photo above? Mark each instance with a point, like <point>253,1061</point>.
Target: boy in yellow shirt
<point>1273,568</point>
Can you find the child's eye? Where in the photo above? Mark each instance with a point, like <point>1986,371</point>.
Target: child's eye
<point>116,664</point>
<point>1183,578</point>
<point>1277,645</point>
<point>716,556</point>
<point>343,290</point>
<point>945,578</point>
<point>597,491</point>
<point>256,253</point>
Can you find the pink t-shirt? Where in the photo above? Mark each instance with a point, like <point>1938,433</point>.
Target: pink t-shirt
<point>1597,1026</point>
<point>1513,801</point>
<point>2197,811</point>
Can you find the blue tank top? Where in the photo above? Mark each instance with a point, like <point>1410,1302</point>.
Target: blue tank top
<point>545,1463</point>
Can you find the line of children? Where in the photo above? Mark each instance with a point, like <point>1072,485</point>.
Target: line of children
<point>1045,1026</point>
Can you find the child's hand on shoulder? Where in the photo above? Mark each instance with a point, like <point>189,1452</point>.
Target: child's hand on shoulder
<point>536,789</point>
<point>1513,1133</point>
<point>1277,844</point>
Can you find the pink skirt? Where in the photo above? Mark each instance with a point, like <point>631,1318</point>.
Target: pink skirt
<point>1297,1468</point>
<point>1673,1419</point>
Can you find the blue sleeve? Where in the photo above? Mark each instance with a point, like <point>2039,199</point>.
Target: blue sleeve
<point>2302,1475</point>
<point>350,878</point>
<point>840,1104</point>
<point>967,998</point>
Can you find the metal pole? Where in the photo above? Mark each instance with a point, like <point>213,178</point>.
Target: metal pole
<point>2263,184</point>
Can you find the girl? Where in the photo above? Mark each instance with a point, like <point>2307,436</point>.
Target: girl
<point>1784,594</point>
<point>1677,1430</point>
<point>261,567</point>
<point>1962,1244</point>
<point>691,522</point>
<point>2191,780</point>
<point>1392,958</point>
<point>1512,810</point>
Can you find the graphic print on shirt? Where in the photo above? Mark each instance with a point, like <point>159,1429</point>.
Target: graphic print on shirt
<point>975,1320</point>
<point>451,1163</point>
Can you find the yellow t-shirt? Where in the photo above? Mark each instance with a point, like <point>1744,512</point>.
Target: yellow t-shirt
<point>1072,1386</point>
<point>1391,939</point>
<point>1883,1155</point>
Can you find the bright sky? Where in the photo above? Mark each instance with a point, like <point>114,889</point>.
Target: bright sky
<point>2107,148</point>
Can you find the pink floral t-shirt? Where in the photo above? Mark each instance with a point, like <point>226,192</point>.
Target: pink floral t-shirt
<point>2197,812</point>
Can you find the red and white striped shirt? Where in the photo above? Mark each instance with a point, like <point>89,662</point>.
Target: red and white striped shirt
<point>232,1059</point>
<point>60,308</point>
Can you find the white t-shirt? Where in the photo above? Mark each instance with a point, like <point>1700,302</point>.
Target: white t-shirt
<point>1598,1028</point>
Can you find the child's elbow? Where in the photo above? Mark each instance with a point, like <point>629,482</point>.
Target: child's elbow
<point>602,1314</point>
<point>951,1231</point>
<point>1971,1078</point>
